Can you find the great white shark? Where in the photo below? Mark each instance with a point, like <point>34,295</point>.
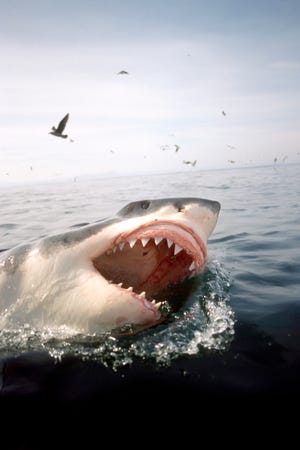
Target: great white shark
<point>106,275</point>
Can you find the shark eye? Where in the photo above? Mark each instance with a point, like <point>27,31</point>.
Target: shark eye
<point>145,204</point>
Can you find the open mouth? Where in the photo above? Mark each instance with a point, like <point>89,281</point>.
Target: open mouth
<point>149,259</point>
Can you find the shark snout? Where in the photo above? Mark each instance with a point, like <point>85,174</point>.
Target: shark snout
<point>183,203</point>
<point>202,213</point>
<point>214,206</point>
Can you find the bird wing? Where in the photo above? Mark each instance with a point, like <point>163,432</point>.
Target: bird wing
<point>62,124</point>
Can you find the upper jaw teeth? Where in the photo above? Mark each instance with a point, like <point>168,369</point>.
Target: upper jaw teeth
<point>145,241</point>
<point>157,240</point>
<point>132,242</point>
<point>177,249</point>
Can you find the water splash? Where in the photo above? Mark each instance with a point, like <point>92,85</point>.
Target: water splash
<point>205,321</point>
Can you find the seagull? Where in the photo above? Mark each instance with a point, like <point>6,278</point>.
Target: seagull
<point>61,126</point>
<point>190,162</point>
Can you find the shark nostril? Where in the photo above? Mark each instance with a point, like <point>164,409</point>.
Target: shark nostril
<point>179,205</point>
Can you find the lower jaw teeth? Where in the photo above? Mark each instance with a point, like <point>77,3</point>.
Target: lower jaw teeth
<point>153,302</point>
<point>142,296</point>
<point>157,305</point>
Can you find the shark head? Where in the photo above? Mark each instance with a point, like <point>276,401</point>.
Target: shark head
<point>109,274</point>
<point>150,245</point>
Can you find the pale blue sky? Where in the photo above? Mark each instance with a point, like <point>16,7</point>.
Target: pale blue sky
<point>187,61</point>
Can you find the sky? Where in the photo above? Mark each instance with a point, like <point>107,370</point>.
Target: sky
<point>217,80</point>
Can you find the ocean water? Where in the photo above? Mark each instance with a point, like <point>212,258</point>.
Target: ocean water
<point>237,331</point>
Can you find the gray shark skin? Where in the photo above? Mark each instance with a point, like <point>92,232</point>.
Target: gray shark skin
<point>106,275</point>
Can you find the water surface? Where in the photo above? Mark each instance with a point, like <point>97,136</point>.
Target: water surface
<point>237,331</point>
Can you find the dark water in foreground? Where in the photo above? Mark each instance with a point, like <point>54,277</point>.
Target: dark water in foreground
<point>237,334</point>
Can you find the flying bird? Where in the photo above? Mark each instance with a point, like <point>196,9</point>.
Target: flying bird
<point>61,126</point>
<point>176,147</point>
<point>123,72</point>
<point>224,113</point>
<point>190,162</point>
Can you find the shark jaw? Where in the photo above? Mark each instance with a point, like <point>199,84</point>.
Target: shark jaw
<point>142,261</point>
<point>145,261</point>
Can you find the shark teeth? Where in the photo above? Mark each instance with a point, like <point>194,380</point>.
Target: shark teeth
<point>192,266</point>
<point>132,242</point>
<point>177,249</point>
<point>169,243</point>
<point>144,241</point>
<point>142,296</point>
<point>158,240</point>
<point>156,304</point>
